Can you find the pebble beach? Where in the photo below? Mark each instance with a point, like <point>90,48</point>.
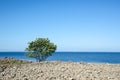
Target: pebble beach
<point>57,70</point>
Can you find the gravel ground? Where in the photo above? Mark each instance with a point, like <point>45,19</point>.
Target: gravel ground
<point>56,70</point>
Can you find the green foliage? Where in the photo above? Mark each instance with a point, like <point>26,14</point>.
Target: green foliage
<point>40,49</point>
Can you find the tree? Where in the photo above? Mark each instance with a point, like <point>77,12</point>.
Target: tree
<point>40,49</point>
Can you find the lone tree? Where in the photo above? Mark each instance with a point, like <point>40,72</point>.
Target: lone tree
<point>40,49</point>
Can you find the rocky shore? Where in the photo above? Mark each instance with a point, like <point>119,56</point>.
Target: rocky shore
<point>12,69</point>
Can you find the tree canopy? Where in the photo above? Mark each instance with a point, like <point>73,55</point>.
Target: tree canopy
<point>40,49</point>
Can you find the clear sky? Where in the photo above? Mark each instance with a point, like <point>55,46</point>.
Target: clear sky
<point>74,25</point>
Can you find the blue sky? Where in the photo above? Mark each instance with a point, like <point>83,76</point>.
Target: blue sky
<point>74,25</point>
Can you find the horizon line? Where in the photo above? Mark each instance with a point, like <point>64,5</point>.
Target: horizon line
<point>65,51</point>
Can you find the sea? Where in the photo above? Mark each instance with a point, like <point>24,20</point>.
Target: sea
<point>90,57</point>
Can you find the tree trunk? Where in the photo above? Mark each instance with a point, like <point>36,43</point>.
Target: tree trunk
<point>39,57</point>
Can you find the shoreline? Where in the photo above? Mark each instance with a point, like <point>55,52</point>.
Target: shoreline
<point>13,69</point>
<point>28,60</point>
<point>89,57</point>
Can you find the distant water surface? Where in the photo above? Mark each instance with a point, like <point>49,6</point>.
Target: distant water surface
<point>96,57</point>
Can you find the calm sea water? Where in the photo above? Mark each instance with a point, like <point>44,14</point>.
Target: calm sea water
<point>99,57</point>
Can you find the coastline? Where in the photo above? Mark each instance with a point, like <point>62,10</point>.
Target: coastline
<point>57,70</point>
<point>89,57</point>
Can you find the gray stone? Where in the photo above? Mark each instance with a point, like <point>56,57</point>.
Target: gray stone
<point>1,69</point>
<point>25,78</point>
